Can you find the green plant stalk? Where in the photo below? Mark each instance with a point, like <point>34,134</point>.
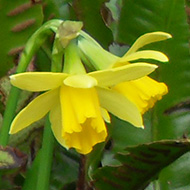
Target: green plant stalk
<point>31,179</point>
<point>45,158</point>
<point>45,162</point>
<point>81,184</point>
<point>8,115</point>
<point>32,46</point>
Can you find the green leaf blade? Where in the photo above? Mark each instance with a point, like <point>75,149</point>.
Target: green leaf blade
<point>140,165</point>
<point>20,20</point>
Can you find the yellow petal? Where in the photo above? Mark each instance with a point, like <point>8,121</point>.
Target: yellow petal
<point>34,111</point>
<point>38,81</point>
<point>146,54</point>
<point>143,92</point>
<point>84,141</point>
<point>120,106</point>
<point>105,115</point>
<point>69,118</point>
<point>56,122</point>
<point>117,75</point>
<point>147,39</point>
<point>80,81</point>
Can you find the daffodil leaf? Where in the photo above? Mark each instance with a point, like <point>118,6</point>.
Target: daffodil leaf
<point>65,169</point>
<point>11,158</point>
<point>19,19</point>
<point>139,165</point>
<point>51,9</point>
<point>89,11</point>
<point>56,9</point>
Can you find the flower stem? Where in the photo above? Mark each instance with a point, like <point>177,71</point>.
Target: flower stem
<point>46,158</point>
<point>8,115</point>
<point>81,185</point>
<point>48,139</point>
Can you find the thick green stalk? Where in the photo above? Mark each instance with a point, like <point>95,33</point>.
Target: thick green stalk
<point>72,61</point>
<point>45,158</point>
<point>31,174</point>
<point>44,165</point>
<point>57,55</point>
<point>81,184</point>
<point>8,115</point>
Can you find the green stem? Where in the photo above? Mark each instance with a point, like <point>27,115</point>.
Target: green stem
<point>46,158</point>
<point>8,115</point>
<point>31,174</point>
<point>57,55</point>
<point>48,138</point>
<point>81,185</point>
<point>72,61</point>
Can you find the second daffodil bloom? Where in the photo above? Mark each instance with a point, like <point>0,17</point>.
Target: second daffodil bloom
<point>78,102</point>
<point>143,92</point>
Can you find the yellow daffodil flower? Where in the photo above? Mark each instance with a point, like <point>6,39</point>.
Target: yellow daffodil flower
<point>77,103</point>
<point>143,92</point>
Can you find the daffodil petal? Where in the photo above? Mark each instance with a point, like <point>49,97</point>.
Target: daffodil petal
<point>56,123</point>
<point>37,81</point>
<point>68,115</point>
<point>105,115</point>
<point>147,39</point>
<point>80,81</point>
<point>146,54</point>
<point>34,111</point>
<point>128,72</point>
<point>120,106</point>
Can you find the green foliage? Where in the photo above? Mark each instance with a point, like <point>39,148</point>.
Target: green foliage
<point>19,19</point>
<point>88,12</point>
<point>64,169</point>
<point>139,165</point>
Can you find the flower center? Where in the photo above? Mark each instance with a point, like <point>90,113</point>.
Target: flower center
<point>80,81</point>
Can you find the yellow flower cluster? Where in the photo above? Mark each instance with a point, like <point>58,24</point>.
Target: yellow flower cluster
<point>78,102</point>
